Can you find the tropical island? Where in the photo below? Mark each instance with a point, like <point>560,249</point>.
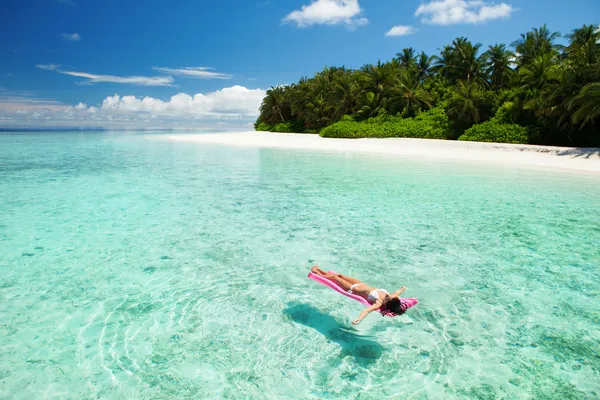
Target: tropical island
<point>541,93</point>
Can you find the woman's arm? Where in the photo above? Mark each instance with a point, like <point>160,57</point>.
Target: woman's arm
<point>397,293</point>
<point>366,312</point>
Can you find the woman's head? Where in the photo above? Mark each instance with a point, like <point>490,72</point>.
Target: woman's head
<point>394,305</point>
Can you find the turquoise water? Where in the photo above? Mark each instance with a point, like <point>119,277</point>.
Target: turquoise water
<point>133,268</point>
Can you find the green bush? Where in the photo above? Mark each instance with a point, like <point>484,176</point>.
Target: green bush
<point>438,120</point>
<point>292,127</point>
<point>432,124</point>
<point>261,126</point>
<point>345,129</point>
<point>493,131</point>
<point>282,127</point>
<point>508,113</point>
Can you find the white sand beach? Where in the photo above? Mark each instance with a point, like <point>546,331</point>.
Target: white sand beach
<point>576,159</point>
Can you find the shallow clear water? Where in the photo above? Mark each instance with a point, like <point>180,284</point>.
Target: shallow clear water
<point>133,268</point>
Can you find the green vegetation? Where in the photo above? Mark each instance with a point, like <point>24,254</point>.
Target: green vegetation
<point>432,124</point>
<point>492,131</point>
<point>541,93</point>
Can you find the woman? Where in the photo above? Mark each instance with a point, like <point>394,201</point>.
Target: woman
<point>379,299</point>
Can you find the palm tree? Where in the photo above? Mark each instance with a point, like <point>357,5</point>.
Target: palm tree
<point>301,93</point>
<point>536,75</point>
<point>423,65</point>
<point>368,105</point>
<point>463,106</point>
<point>460,61</point>
<point>319,108</point>
<point>395,64</point>
<point>579,37</point>
<point>343,95</point>
<point>466,64</point>
<point>543,86</point>
<point>377,79</point>
<point>538,42</point>
<point>498,62</point>
<point>407,57</point>
<point>409,96</point>
<point>442,62</point>
<point>584,47</point>
<point>316,112</point>
<point>562,83</point>
<point>273,105</point>
<point>587,103</point>
<point>328,75</point>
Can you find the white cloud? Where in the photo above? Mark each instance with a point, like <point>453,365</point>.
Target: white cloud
<point>135,80</point>
<point>228,108</point>
<point>450,12</point>
<point>328,12</point>
<point>356,22</point>
<point>71,37</point>
<point>194,72</point>
<point>93,78</point>
<point>20,101</point>
<point>48,67</point>
<point>401,30</point>
<point>235,101</point>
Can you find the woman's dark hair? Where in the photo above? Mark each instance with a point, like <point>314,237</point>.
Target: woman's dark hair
<point>394,305</point>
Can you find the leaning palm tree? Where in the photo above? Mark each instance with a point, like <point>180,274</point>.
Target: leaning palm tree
<point>587,104</point>
<point>497,65</point>
<point>273,105</point>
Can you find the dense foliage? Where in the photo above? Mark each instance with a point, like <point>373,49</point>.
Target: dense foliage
<point>492,131</point>
<point>541,93</point>
<point>432,124</point>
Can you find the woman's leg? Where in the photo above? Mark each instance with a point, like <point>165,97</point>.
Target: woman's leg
<point>316,270</point>
<point>350,279</point>
<point>319,271</point>
<point>337,278</point>
<point>344,284</point>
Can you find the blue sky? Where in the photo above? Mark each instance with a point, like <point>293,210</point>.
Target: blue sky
<point>61,57</point>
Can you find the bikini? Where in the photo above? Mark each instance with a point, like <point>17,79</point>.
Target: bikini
<point>373,296</point>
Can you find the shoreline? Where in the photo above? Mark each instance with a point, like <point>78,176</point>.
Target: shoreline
<point>569,158</point>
